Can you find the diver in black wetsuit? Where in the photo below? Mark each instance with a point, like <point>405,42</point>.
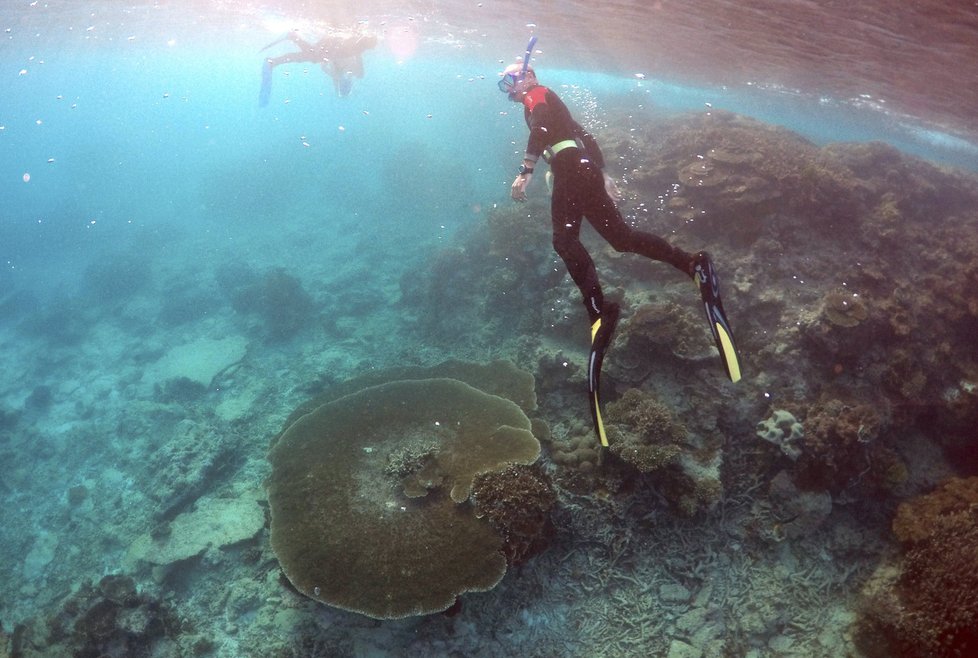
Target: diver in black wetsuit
<point>580,189</point>
<point>340,56</point>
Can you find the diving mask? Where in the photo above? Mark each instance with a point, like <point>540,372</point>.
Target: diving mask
<point>513,75</point>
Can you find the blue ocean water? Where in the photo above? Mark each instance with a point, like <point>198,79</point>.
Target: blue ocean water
<point>125,139</point>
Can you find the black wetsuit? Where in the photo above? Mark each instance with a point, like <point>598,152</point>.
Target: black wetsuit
<point>579,192</point>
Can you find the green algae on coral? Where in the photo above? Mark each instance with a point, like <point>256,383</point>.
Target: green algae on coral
<point>353,532</point>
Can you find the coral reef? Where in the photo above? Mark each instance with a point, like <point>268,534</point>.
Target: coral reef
<point>644,432</point>
<point>115,278</point>
<point>192,459</point>
<point>110,619</point>
<point>844,446</point>
<point>212,524</point>
<point>783,430</point>
<point>926,604</point>
<point>367,492</point>
<point>914,520</point>
<point>278,300</point>
<point>517,502</point>
<point>793,513</point>
<point>657,336</point>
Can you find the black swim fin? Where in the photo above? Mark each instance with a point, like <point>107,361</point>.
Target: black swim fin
<point>601,333</point>
<point>705,276</point>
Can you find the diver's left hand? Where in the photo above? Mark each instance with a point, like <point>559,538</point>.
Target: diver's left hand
<point>518,190</point>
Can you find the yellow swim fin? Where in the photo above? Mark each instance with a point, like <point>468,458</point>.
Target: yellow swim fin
<point>601,332</point>
<point>705,276</point>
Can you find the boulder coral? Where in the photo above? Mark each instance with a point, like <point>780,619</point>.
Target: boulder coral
<point>369,495</point>
<point>783,430</point>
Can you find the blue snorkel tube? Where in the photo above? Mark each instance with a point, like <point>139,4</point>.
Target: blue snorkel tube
<point>526,57</point>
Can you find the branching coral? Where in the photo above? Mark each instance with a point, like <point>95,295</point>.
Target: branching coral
<point>517,502</point>
<point>645,418</point>
<point>840,447</point>
<point>929,605</point>
<point>645,436</point>
<point>914,520</point>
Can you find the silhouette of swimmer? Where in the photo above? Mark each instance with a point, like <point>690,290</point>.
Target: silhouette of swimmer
<point>339,55</point>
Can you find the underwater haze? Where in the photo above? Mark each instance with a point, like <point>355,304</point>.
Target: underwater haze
<point>199,264</point>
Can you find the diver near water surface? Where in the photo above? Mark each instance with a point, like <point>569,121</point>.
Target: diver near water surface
<point>580,190</point>
<point>339,55</point>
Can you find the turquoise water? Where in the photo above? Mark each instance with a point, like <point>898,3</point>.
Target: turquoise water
<point>123,139</point>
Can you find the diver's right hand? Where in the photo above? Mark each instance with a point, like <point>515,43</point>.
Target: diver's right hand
<point>518,189</point>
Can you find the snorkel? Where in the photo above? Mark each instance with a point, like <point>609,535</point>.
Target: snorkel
<point>526,57</point>
<point>509,81</point>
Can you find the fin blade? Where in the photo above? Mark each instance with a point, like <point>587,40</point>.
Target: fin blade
<point>602,331</point>
<point>705,277</point>
<point>266,84</point>
<point>729,353</point>
<point>598,420</point>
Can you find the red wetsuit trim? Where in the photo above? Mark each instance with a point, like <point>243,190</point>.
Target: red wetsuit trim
<point>534,97</point>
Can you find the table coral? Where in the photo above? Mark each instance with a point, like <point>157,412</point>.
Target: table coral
<point>843,310</point>
<point>361,524</point>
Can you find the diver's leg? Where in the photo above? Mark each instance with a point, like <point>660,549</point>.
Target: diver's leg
<point>566,218</point>
<point>287,58</point>
<point>303,45</point>
<point>608,222</point>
